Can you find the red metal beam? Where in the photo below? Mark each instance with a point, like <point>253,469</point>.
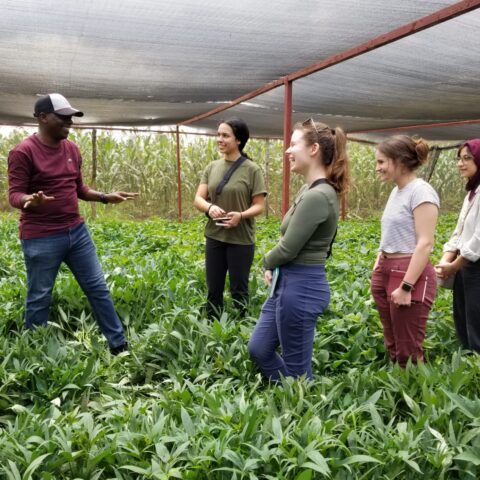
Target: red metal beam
<point>423,23</point>
<point>179,174</point>
<point>140,130</point>
<point>416,127</point>
<point>287,131</point>
<point>361,140</point>
<point>86,126</point>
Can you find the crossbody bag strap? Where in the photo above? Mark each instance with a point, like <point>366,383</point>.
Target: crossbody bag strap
<point>319,181</point>
<point>228,175</point>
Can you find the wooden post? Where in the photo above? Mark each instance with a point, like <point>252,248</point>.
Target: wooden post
<point>179,174</point>
<point>93,181</point>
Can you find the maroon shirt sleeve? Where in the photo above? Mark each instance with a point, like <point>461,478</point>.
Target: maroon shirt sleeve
<point>18,177</point>
<point>82,189</point>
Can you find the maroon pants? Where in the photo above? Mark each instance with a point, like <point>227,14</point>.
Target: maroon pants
<point>403,327</point>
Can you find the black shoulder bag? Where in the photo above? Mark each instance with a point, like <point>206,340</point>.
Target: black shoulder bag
<point>314,184</point>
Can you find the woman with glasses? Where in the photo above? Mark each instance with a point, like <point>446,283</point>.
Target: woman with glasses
<point>461,253</point>
<point>403,279</point>
<point>231,194</point>
<point>295,267</point>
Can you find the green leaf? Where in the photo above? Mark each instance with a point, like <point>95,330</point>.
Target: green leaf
<point>14,474</point>
<point>319,460</point>
<point>471,408</point>
<point>187,422</point>
<point>133,468</point>
<point>304,475</point>
<point>34,465</point>
<point>277,428</point>
<point>359,459</point>
<point>413,464</point>
<point>411,403</point>
<point>373,399</point>
<point>469,456</point>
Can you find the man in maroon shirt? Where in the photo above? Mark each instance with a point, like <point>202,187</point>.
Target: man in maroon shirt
<point>45,183</point>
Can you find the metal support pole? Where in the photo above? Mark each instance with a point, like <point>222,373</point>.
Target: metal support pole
<point>434,155</point>
<point>179,174</point>
<point>267,176</point>
<point>287,131</point>
<point>93,181</point>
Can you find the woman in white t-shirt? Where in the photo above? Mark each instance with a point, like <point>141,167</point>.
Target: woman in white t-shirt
<point>403,279</point>
<point>461,254</point>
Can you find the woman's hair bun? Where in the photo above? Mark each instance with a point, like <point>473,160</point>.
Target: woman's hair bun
<point>421,147</point>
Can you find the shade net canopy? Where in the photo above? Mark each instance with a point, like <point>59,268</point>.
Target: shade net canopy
<point>132,63</point>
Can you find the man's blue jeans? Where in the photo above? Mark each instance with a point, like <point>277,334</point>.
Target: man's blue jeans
<point>43,257</point>
<point>288,320</point>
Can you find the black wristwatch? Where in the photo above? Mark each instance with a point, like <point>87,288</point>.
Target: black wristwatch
<point>103,198</point>
<point>207,213</point>
<point>407,287</point>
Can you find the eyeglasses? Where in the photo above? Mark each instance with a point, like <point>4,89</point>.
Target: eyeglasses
<point>311,122</point>
<point>464,159</point>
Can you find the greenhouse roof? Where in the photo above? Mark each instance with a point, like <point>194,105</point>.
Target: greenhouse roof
<point>133,63</point>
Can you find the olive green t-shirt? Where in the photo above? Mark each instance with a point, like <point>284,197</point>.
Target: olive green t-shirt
<point>307,228</point>
<point>245,183</point>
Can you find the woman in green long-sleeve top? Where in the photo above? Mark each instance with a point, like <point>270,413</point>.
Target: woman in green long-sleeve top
<point>295,267</point>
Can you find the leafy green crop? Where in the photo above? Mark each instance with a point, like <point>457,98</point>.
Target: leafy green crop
<point>186,401</point>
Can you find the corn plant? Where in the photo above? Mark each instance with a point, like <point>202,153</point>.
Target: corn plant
<point>146,163</point>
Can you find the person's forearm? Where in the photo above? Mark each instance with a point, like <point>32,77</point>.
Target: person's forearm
<point>448,257</point>
<point>94,196</point>
<point>459,263</point>
<point>18,180</point>
<point>418,262</point>
<point>17,191</point>
<point>201,204</point>
<point>18,199</point>
<point>280,254</point>
<point>253,211</point>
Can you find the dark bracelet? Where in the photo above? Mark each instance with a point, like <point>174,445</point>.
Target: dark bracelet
<point>208,210</point>
<point>103,198</point>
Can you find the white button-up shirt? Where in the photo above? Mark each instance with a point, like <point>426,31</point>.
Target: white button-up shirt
<point>466,240</point>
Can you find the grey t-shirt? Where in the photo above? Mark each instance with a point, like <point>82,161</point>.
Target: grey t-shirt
<point>398,222</point>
